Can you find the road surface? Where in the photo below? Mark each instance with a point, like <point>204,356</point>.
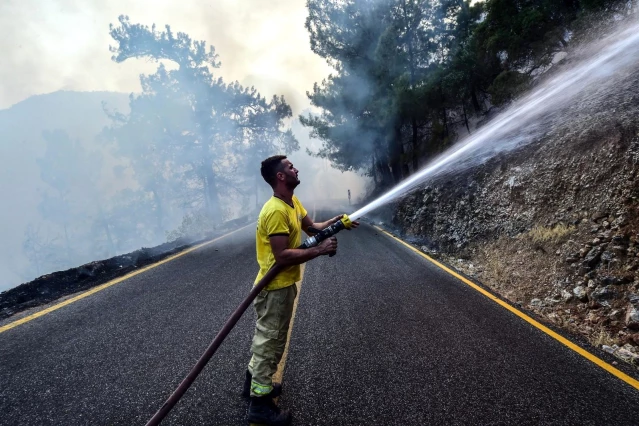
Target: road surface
<point>381,336</point>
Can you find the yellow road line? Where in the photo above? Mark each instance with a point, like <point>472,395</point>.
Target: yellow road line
<point>111,283</point>
<point>590,357</point>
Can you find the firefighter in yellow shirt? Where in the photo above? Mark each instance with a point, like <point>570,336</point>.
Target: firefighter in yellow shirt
<point>279,232</point>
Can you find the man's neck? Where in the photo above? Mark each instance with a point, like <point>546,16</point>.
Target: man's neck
<point>284,194</point>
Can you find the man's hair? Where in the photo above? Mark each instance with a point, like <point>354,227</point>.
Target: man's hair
<point>270,167</point>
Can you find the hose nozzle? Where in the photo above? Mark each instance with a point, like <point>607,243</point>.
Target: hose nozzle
<point>329,231</point>
<point>346,221</point>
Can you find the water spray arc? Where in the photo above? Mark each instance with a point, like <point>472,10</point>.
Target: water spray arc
<point>519,124</point>
<point>524,121</point>
<point>343,223</point>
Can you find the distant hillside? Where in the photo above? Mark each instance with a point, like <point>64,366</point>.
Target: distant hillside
<point>81,115</point>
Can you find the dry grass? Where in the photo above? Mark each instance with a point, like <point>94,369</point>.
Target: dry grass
<point>519,271</point>
<point>496,267</point>
<point>516,268</point>
<point>601,337</point>
<point>542,234</point>
<point>501,269</point>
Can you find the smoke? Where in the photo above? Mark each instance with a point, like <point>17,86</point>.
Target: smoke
<point>599,70</point>
<point>64,45</point>
<point>322,185</point>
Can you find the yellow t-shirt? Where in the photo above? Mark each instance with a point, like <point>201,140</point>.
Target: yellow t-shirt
<point>278,218</point>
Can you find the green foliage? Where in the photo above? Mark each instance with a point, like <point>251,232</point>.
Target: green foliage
<point>410,73</point>
<point>195,224</point>
<point>507,86</point>
<point>136,41</point>
<point>190,136</point>
<point>191,142</point>
<point>71,174</point>
<point>44,252</point>
<point>525,34</point>
<point>598,5</point>
<point>346,35</point>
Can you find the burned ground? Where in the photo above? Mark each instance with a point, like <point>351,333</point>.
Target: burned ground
<point>54,286</point>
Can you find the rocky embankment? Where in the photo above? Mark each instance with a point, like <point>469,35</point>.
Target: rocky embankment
<point>553,226</point>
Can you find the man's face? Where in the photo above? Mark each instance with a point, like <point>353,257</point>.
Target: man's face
<point>290,174</point>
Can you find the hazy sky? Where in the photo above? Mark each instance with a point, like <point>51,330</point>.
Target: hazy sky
<point>50,45</point>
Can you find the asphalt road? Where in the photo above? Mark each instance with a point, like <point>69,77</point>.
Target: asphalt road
<point>381,336</point>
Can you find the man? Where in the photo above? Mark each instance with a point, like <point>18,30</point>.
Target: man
<point>279,227</point>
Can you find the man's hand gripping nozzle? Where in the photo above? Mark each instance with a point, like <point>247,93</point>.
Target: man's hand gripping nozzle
<point>329,231</point>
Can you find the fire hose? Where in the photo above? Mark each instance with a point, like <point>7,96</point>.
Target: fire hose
<point>343,223</point>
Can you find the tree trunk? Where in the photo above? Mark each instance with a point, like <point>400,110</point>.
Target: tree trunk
<point>211,195</point>
<point>405,170</point>
<point>37,262</point>
<point>465,118</point>
<point>473,97</point>
<point>68,244</point>
<point>374,168</point>
<point>396,149</point>
<point>411,65</point>
<point>442,100</point>
<point>415,145</point>
<point>205,188</point>
<point>107,231</point>
<point>382,164</point>
<point>159,212</point>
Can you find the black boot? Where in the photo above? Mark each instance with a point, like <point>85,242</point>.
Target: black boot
<point>263,411</point>
<point>277,387</point>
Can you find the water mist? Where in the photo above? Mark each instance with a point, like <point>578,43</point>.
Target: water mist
<point>526,119</point>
